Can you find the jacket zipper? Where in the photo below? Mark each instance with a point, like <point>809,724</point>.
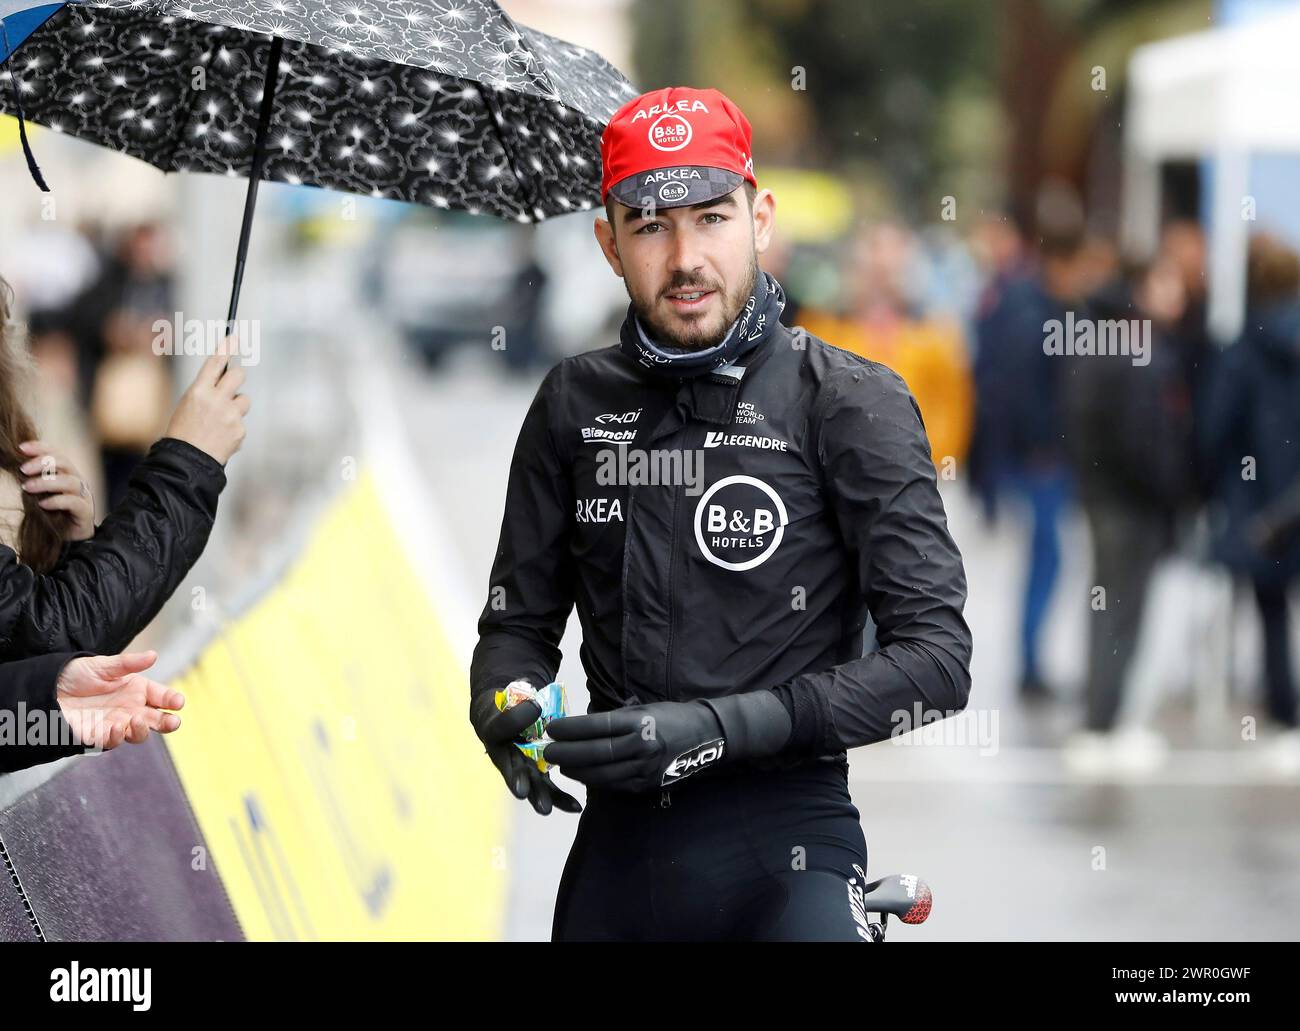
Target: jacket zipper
<point>672,607</point>
<point>628,696</point>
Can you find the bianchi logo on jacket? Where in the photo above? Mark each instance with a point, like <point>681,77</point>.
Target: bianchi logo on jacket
<point>701,757</point>
<point>606,433</point>
<point>600,435</point>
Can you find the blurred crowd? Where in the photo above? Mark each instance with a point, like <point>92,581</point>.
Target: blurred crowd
<point>1177,446</point>
<point>91,299</point>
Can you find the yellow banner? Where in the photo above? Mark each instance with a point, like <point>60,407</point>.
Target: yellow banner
<point>329,759</point>
<point>9,139</point>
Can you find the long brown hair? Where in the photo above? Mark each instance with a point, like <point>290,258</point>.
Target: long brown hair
<point>40,539</point>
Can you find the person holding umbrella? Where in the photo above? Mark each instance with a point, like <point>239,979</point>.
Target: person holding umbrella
<point>68,583</point>
<point>722,612</point>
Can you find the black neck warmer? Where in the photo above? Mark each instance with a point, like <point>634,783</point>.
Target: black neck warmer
<point>755,323</point>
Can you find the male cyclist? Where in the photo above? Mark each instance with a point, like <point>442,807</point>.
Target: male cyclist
<point>724,500</point>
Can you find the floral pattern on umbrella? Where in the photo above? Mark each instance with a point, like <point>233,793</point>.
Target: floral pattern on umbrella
<point>438,102</point>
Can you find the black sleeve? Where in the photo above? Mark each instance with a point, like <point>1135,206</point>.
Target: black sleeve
<point>880,483</point>
<point>530,592</point>
<point>105,590</point>
<point>28,707</point>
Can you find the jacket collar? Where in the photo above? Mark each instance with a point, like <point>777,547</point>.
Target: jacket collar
<point>712,397</point>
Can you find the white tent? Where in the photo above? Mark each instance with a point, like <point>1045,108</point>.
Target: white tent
<point>1223,94</point>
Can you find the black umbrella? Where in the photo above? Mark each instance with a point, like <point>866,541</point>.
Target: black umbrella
<point>446,103</point>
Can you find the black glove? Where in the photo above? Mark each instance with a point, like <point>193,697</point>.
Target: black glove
<point>645,747</point>
<point>498,731</point>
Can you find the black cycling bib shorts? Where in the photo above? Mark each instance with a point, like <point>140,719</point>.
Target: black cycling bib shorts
<point>728,856</point>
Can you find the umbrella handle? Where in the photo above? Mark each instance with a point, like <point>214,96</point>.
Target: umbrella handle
<point>255,176</point>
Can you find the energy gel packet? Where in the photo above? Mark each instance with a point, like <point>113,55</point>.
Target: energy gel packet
<point>554,703</point>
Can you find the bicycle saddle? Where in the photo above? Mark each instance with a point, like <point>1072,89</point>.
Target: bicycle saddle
<point>902,895</point>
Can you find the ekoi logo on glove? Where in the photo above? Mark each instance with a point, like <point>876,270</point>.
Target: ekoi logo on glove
<point>701,757</point>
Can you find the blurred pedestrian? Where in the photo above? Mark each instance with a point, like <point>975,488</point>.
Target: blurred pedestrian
<point>1000,250</point>
<point>527,346</point>
<point>1182,243</point>
<point>127,392</point>
<point>1130,439</point>
<point>886,323</point>
<point>1252,441</point>
<point>1017,385</point>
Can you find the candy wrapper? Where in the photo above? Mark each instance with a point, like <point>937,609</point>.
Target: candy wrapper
<point>554,704</point>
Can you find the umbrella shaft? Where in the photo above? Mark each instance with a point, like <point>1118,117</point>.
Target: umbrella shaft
<point>255,174</point>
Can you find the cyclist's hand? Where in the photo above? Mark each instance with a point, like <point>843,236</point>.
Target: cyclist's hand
<point>639,748</point>
<point>498,731</point>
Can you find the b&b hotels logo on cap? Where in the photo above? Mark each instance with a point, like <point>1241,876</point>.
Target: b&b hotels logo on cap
<point>674,182</point>
<point>673,147</point>
<point>671,193</point>
<point>670,130</point>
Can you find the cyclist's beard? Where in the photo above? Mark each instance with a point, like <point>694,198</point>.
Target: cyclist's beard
<point>696,334</point>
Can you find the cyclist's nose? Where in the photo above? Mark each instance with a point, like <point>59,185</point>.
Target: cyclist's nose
<point>687,259</point>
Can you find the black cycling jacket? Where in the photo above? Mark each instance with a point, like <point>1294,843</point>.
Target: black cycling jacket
<point>811,500</point>
<point>105,590</point>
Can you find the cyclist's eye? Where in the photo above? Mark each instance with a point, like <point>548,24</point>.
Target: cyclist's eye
<point>651,225</point>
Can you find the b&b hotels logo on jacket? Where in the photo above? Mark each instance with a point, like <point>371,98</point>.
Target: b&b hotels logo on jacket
<point>739,522</point>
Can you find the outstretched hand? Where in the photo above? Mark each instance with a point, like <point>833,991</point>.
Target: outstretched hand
<point>106,700</point>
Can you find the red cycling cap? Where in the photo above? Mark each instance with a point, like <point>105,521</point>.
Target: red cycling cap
<point>675,146</point>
